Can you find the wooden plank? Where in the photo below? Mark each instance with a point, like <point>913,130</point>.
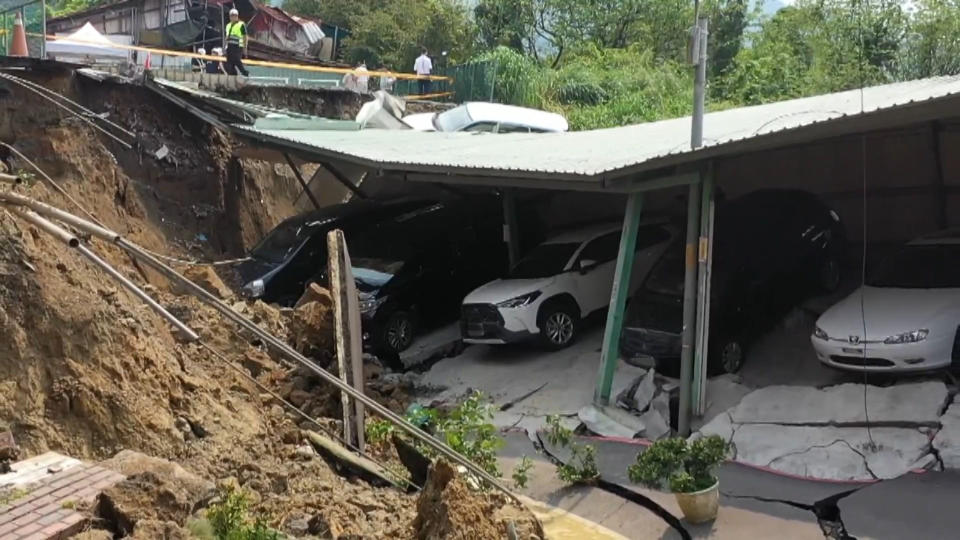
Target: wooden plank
<point>334,270</point>
<point>348,334</point>
<point>356,341</point>
<point>349,462</point>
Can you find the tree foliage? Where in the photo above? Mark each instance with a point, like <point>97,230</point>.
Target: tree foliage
<point>391,32</point>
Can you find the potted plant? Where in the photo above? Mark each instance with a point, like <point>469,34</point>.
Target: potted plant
<point>686,469</point>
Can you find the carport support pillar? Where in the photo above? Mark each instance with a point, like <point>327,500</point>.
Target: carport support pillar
<point>610,352</point>
<point>511,232</point>
<point>689,309</point>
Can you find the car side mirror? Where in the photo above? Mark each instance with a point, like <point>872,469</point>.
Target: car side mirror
<point>586,265</point>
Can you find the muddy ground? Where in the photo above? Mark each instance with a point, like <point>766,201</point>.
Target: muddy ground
<point>89,371</point>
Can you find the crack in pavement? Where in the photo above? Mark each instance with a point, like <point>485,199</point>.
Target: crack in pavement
<point>826,510</point>
<point>626,494</point>
<point>866,465</point>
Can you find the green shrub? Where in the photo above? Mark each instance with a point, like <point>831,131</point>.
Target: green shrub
<point>581,468</point>
<point>520,477</point>
<point>467,429</point>
<point>681,466</point>
<point>229,519</point>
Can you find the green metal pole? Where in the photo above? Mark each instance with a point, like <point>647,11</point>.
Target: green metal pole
<point>610,352</point>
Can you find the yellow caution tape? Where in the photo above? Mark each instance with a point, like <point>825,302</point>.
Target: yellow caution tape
<point>426,96</point>
<point>264,63</point>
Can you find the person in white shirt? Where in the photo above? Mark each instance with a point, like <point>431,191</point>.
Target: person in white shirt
<point>423,66</point>
<point>363,80</point>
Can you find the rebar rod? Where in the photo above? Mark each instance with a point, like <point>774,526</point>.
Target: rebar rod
<point>55,213</point>
<point>10,179</point>
<point>285,350</point>
<point>185,330</point>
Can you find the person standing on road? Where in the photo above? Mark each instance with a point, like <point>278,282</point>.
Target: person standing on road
<point>236,32</point>
<point>423,66</point>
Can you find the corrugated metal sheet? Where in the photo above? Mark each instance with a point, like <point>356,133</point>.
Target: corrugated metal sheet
<point>604,153</point>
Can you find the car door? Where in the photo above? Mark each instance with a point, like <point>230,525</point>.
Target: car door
<point>593,271</point>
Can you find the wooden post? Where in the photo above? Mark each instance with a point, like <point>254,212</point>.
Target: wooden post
<point>346,313</point>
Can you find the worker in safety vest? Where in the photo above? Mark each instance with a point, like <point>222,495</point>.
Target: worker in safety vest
<point>236,32</point>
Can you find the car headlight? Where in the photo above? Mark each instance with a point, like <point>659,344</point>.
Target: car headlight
<point>820,334</point>
<point>369,304</point>
<point>254,289</point>
<point>907,337</point>
<point>520,301</point>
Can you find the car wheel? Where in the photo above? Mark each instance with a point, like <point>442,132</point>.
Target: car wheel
<point>829,274</point>
<point>397,333</point>
<point>558,326</point>
<point>731,356</point>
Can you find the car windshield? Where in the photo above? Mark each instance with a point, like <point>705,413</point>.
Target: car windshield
<point>932,266</point>
<point>374,272</point>
<point>455,119</point>
<point>544,261</point>
<point>667,276</point>
<point>286,239</point>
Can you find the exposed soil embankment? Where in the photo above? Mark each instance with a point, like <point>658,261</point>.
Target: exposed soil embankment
<point>87,370</point>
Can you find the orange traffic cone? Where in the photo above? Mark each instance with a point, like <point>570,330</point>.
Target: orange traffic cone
<point>18,45</point>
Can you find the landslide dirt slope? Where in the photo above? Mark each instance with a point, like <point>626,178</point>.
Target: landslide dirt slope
<point>87,370</point>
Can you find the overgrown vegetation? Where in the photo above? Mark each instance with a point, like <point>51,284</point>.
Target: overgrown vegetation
<point>581,468</point>
<point>606,64</point>
<point>466,428</point>
<point>229,519</point>
<point>681,466</point>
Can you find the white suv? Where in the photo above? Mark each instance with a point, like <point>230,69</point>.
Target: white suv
<point>556,285</point>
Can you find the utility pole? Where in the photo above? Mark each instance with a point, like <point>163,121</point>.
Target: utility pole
<point>698,57</point>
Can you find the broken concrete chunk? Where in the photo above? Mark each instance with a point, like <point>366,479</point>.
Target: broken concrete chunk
<point>645,391</point>
<point>720,425</point>
<point>655,427</point>
<point>829,452</point>
<point>601,422</point>
<point>661,404</point>
<point>162,152</point>
<point>910,403</point>
<point>947,440</point>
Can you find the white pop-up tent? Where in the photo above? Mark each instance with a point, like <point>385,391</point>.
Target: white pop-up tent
<point>86,43</point>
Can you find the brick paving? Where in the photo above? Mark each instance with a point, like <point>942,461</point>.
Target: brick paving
<point>46,511</point>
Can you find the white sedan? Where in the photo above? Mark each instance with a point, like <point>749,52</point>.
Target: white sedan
<point>556,285</point>
<point>480,116</point>
<point>912,313</point>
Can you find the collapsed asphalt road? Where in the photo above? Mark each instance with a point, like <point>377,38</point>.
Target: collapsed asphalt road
<point>911,506</point>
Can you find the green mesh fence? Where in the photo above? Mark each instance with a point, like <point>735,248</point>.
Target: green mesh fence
<point>33,23</point>
<point>469,82</point>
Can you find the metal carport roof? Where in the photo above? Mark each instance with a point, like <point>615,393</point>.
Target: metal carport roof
<point>607,157</point>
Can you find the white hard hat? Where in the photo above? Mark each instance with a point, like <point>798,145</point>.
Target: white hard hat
<point>201,50</point>
<point>233,11</point>
<point>217,51</point>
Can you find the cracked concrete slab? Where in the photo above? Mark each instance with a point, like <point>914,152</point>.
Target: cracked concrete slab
<point>947,441</point>
<point>917,403</point>
<point>838,453</point>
